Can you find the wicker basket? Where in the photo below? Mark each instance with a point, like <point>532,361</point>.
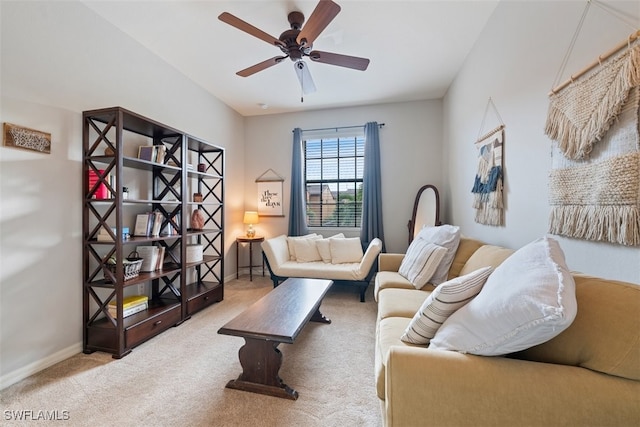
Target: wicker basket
<point>131,264</point>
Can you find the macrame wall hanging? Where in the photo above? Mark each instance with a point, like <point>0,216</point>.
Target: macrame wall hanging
<point>593,119</point>
<point>488,183</point>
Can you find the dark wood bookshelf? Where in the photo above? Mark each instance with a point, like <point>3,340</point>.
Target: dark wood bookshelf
<point>180,288</point>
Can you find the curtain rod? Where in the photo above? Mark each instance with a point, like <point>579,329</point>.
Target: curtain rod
<point>339,127</point>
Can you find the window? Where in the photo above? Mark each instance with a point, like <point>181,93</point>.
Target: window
<point>333,179</point>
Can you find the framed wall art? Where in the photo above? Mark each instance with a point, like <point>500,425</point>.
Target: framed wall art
<point>270,194</point>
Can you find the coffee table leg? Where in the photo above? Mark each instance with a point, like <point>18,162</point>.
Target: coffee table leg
<point>261,361</point>
<point>319,317</point>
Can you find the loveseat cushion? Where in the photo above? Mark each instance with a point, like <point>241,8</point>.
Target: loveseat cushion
<point>605,335</point>
<point>527,300</point>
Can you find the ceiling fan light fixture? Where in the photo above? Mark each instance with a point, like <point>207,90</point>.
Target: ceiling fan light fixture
<point>304,76</point>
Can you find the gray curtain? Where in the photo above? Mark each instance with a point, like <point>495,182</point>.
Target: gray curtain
<point>297,206</point>
<point>371,226</point>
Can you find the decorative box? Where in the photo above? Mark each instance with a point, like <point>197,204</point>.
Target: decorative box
<point>194,253</point>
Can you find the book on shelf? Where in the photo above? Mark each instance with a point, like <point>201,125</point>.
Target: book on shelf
<point>141,227</point>
<point>104,236</point>
<point>126,312</point>
<point>161,253</point>
<point>130,301</point>
<point>161,152</point>
<point>102,191</point>
<point>148,224</point>
<point>149,255</point>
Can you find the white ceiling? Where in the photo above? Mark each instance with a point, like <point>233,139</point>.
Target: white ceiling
<point>415,47</point>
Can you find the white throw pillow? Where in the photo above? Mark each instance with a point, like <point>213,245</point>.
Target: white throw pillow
<point>421,261</point>
<point>324,249</point>
<point>447,236</point>
<point>528,299</point>
<point>291,239</point>
<point>345,250</point>
<point>442,303</point>
<point>306,250</point>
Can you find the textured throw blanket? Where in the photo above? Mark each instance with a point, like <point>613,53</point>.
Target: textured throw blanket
<point>487,186</point>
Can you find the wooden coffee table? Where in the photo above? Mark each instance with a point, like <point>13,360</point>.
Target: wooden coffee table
<point>276,318</point>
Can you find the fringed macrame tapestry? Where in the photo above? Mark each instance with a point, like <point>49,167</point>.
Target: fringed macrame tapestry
<point>583,112</point>
<point>598,198</point>
<point>487,187</point>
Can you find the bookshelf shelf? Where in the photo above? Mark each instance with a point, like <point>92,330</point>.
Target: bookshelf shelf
<point>163,185</point>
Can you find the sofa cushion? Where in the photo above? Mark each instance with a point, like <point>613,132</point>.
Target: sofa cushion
<point>486,256</point>
<point>306,250</point>
<point>447,236</point>
<point>527,300</point>
<point>387,334</point>
<point>291,239</point>
<point>345,250</point>
<point>442,303</point>
<point>401,302</point>
<point>466,248</point>
<point>605,335</point>
<point>421,261</point>
<point>323,247</point>
<point>389,280</point>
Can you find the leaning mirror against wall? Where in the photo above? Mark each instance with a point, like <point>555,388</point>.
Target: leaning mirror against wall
<point>426,210</point>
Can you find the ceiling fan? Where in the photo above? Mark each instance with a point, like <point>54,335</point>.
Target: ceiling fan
<point>297,43</point>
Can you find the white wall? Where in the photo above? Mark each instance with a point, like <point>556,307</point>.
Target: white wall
<point>515,61</point>
<point>410,149</point>
<point>58,59</point>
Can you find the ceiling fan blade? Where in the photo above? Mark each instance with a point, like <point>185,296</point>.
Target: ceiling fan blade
<point>248,28</point>
<point>321,16</point>
<point>340,60</point>
<point>260,66</point>
<point>304,76</point>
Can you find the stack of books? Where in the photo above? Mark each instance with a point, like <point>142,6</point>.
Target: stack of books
<point>131,305</point>
<point>101,192</point>
<point>152,257</point>
<point>148,224</point>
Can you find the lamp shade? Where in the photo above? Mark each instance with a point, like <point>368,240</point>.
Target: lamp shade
<point>250,217</point>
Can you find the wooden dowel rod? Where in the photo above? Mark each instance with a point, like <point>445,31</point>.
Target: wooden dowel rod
<point>633,37</point>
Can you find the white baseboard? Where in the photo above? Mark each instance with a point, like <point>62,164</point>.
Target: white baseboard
<point>37,366</point>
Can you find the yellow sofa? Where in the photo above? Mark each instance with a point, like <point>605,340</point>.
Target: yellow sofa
<point>588,375</point>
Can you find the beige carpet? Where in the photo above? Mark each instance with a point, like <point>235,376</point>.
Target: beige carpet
<point>179,377</point>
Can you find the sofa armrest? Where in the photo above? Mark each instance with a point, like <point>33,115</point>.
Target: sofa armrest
<point>276,250</point>
<point>369,258</point>
<point>390,262</point>
<point>464,389</point>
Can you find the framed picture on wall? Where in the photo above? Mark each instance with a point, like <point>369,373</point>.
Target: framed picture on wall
<point>270,195</point>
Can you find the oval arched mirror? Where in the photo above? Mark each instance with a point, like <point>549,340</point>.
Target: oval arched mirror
<point>426,210</point>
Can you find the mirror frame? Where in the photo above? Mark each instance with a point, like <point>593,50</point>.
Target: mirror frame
<point>412,221</point>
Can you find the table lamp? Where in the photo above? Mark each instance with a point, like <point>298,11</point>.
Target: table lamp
<point>250,217</point>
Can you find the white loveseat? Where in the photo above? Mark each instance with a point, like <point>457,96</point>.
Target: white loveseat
<point>335,258</point>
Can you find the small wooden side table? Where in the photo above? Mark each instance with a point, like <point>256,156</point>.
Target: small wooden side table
<point>251,241</point>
